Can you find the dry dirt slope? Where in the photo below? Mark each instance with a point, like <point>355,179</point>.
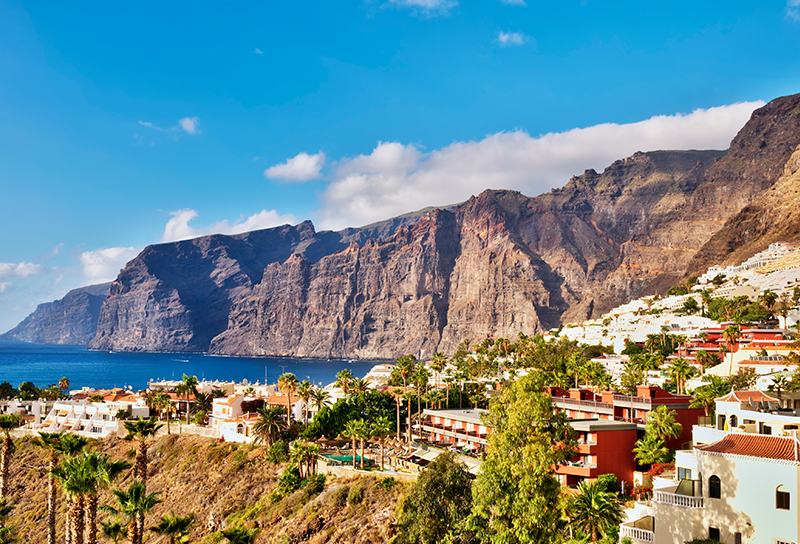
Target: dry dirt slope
<point>233,483</point>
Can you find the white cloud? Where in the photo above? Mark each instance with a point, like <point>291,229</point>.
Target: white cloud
<point>426,8</point>
<point>189,124</point>
<point>178,227</point>
<point>4,285</point>
<point>514,2</point>
<point>511,38</point>
<point>397,178</point>
<point>104,264</point>
<point>258,51</point>
<point>793,10</point>
<point>20,270</point>
<point>302,167</point>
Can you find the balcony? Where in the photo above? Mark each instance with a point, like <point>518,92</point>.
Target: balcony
<point>636,534</point>
<point>592,406</point>
<point>674,499</point>
<point>627,401</point>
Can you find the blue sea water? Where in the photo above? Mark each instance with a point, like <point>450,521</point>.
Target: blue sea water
<point>45,364</point>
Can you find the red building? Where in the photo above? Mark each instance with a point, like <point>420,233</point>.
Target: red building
<point>584,404</point>
<point>604,447</point>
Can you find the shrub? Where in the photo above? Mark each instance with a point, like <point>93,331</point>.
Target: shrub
<point>338,496</point>
<point>278,453</point>
<point>314,484</point>
<point>356,495</point>
<point>387,483</point>
<point>608,482</point>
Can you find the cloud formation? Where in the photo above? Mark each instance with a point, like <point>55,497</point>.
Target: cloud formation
<point>397,178</point>
<point>426,8</point>
<point>187,124</point>
<point>514,2</point>
<point>105,264</point>
<point>507,39</point>
<point>20,270</point>
<point>178,228</point>
<point>258,51</point>
<point>300,168</point>
<point>793,10</point>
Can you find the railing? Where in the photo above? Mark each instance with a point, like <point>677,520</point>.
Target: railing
<point>634,533</point>
<point>681,501</point>
<point>626,399</point>
<point>592,405</point>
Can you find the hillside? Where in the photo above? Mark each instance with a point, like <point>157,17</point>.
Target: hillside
<point>233,483</point>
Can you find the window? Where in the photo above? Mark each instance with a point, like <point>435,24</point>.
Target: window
<point>713,533</point>
<point>737,538</point>
<point>734,422</point>
<point>684,473</point>
<point>782,500</point>
<point>714,488</point>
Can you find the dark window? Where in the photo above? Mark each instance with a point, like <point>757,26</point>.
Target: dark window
<point>782,500</point>
<point>737,538</point>
<point>713,533</point>
<point>714,488</point>
<point>734,422</point>
<point>684,473</point>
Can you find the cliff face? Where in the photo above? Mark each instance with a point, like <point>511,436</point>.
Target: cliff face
<point>764,151</point>
<point>69,321</point>
<point>497,264</point>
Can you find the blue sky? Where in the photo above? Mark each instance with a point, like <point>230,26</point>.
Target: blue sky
<point>123,125</point>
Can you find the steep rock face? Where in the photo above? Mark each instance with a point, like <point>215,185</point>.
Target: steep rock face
<point>762,152</point>
<point>71,320</point>
<point>498,264</point>
<point>177,296</point>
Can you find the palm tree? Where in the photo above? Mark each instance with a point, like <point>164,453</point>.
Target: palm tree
<point>141,430</point>
<point>241,535</point>
<point>268,425</point>
<point>8,423</point>
<point>595,511</point>
<point>249,391</point>
<point>203,402</point>
<point>779,385</point>
<point>163,403</point>
<point>320,398</point>
<point>704,396</point>
<point>731,335</point>
<point>364,434</point>
<point>680,370</point>
<point>437,365</point>
<point>177,528</point>
<point>343,380</point>
<point>408,397</point>
<point>305,390</point>
<point>304,454</point>
<point>768,299</point>
<point>706,359</point>
<point>663,423</point>
<point>113,530</point>
<point>650,450</point>
<point>8,534</point>
<point>358,386</point>
<point>134,504</point>
<point>75,481</point>
<point>189,386</point>
<point>63,385</point>
<point>351,430</point>
<point>398,399</point>
<point>100,472</point>
<point>405,367</point>
<point>382,427</point>
<point>288,384</point>
<point>56,443</point>
<point>420,378</point>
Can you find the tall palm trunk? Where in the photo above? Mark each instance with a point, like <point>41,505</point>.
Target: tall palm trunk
<point>362,453</point>
<point>141,463</point>
<point>383,440</point>
<point>5,461</point>
<point>132,531</point>
<point>139,518</point>
<point>398,419</point>
<point>90,519</point>
<point>76,522</point>
<point>355,453</point>
<point>51,500</point>
<point>288,409</point>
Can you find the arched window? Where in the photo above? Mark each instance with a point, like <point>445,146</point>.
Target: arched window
<point>782,499</point>
<point>714,488</point>
<point>734,422</point>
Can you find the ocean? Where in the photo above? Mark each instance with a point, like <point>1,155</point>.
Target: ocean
<point>45,364</point>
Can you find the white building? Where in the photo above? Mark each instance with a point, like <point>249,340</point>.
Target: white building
<point>94,419</point>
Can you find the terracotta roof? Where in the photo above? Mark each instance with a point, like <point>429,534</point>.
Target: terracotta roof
<point>746,396</point>
<point>756,445</point>
<point>229,400</point>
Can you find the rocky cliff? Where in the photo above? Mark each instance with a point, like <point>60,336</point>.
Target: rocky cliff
<point>70,321</point>
<point>497,264</point>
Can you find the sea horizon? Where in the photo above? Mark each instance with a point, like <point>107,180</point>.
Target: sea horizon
<point>45,364</point>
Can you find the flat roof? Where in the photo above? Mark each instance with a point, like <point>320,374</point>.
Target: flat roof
<point>470,416</point>
<point>596,424</point>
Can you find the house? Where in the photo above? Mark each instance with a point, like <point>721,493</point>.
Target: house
<point>742,487</point>
<point>604,447</point>
<point>459,428</point>
<point>93,419</point>
<point>609,405</point>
